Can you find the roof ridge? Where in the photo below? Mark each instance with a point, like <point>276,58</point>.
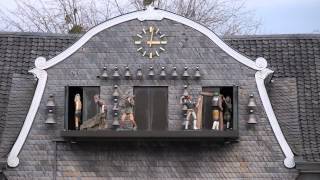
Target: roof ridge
<point>37,34</point>
<point>272,36</point>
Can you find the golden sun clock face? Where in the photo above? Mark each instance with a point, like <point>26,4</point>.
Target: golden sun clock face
<point>150,42</point>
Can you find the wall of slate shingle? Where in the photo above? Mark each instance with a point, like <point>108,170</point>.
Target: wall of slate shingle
<point>256,155</point>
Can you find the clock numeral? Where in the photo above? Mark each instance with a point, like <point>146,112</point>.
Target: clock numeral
<point>144,53</point>
<point>151,29</point>
<point>150,55</point>
<point>139,49</point>
<point>144,31</point>
<point>139,35</point>
<point>137,42</point>
<point>157,31</point>
<point>163,42</point>
<point>162,49</point>
<point>163,35</point>
<point>157,53</point>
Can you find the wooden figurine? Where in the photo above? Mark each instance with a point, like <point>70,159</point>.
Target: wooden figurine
<point>99,121</point>
<point>127,121</point>
<point>77,113</point>
<point>191,110</point>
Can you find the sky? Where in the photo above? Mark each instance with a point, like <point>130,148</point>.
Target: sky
<point>287,16</point>
<point>276,16</point>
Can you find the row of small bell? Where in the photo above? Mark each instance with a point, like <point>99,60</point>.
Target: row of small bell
<point>115,107</point>
<point>151,73</point>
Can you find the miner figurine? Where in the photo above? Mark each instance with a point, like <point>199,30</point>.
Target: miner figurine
<point>127,118</point>
<point>191,107</point>
<point>217,111</point>
<point>77,113</point>
<point>99,121</point>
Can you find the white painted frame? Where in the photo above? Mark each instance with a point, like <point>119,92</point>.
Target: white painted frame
<point>260,65</point>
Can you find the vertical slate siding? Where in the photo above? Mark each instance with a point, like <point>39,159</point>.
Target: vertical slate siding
<point>293,56</point>
<point>257,155</point>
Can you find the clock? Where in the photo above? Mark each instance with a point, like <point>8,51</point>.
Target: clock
<point>150,42</point>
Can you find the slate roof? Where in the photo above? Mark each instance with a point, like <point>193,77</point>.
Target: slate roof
<point>294,58</point>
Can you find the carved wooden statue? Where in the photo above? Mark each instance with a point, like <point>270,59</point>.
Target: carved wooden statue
<point>191,111</point>
<point>77,113</point>
<point>127,118</point>
<point>99,121</point>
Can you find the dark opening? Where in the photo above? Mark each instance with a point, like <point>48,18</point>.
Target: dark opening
<point>151,108</point>
<point>89,108</point>
<point>72,91</point>
<point>207,105</point>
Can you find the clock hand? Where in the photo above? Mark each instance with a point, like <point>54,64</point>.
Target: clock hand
<point>156,42</point>
<point>151,31</point>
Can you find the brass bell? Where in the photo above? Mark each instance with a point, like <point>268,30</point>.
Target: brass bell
<point>185,91</point>
<point>151,72</point>
<point>104,74</point>
<point>197,74</point>
<point>252,117</point>
<point>115,93</point>
<point>163,72</point>
<point>116,72</point>
<point>174,73</point>
<point>185,72</point>
<point>251,102</point>
<point>50,110</point>
<point>115,122</point>
<point>139,73</point>
<point>127,73</point>
<point>184,108</point>
<point>50,118</point>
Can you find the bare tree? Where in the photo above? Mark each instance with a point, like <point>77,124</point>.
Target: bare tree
<point>225,17</point>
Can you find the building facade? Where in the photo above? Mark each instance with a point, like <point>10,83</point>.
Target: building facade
<point>202,110</point>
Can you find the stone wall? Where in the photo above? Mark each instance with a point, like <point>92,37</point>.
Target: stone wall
<point>256,155</point>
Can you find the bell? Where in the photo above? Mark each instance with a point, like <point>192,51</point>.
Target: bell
<point>197,74</point>
<point>252,102</point>
<point>184,107</point>
<point>116,72</point>
<point>115,122</point>
<point>185,91</point>
<point>185,72</point>
<point>104,74</point>
<point>127,73</point>
<point>50,102</point>
<point>163,72</point>
<point>50,110</point>
<point>151,72</point>
<point>174,73</point>
<point>115,93</point>
<point>252,117</point>
<point>139,73</point>
<point>50,118</point>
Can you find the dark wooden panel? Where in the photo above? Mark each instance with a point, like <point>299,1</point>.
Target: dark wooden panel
<point>66,107</point>
<point>159,106</point>
<point>141,108</point>
<point>90,108</point>
<point>235,108</point>
<point>163,135</point>
<point>151,108</point>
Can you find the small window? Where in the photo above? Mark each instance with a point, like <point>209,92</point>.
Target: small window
<point>88,107</point>
<point>226,114</point>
